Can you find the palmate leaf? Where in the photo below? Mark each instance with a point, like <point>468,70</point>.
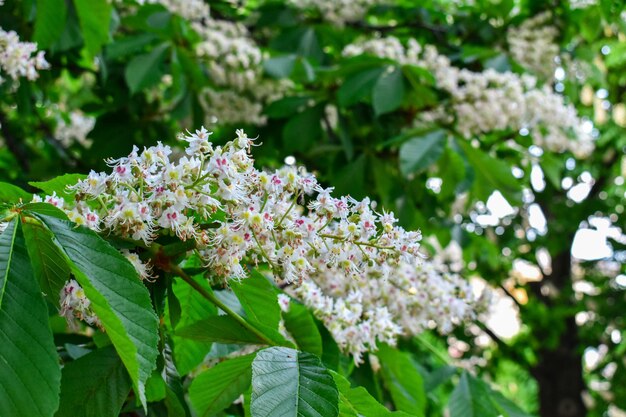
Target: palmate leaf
<point>116,293</point>
<point>96,385</point>
<point>286,382</point>
<point>29,366</point>
<point>216,388</point>
<point>403,380</point>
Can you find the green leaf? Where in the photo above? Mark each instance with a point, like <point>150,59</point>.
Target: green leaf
<point>420,152</point>
<point>403,380</point>
<point>357,402</point>
<point>216,388</point>
<point>11,194</point>
<point>259,300</point>
<point>471,398</point>
<point>301,325</point>
<point>280,67</point>
<point>59,185</point>
<point>145,70</point>
<point>452,172</point>
<point>491,171</point>
<point>221,329</point>
<point>388,91</point>
<point>30,375</point>
<point>129,45</point>
<point>303,130</point>
<point>47,261</point>
<point>358,86</point>
<point>49,22</point>
<point>117,296</point>
<point>96,385</point>
<point>94,17</point>
<point>286,382</point>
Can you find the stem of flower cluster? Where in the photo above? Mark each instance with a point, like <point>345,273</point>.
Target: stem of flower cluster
<point>213,299</point>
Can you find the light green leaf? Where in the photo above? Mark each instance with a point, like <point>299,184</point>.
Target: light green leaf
<point>357,402</point>
<point>145,70</point>
<point>59,185</point>
<point>96,385</point>
<point>403,380</point>
<point>9,193</point>
<point>420,152</point>
<point>94,17</point>
<point>259,299</point>
<point>47,261</point>
<point>388,91</point>
<point>30,375</point>
<point>492,172</point>
<point>301,325</point>
<point>286,382</point>
<point>281,66</point>
<point>49,22</point>
<point>217,388</point>
<point>117,296</point>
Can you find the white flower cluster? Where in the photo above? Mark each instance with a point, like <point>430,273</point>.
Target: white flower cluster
<point>533,45</point>
<point>16,58</point>
<point>411,299</point>
<point>235,67</point>
<point>362,275</point>
<point>188,9</point>
<point>76,130</point>
<point>338,12</point>
<point>76,305</point>
<point>487,101</point>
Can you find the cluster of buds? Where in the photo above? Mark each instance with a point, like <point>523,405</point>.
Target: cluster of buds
<point>338,12</point>
<point>16,57</point>
<point>533,45</point>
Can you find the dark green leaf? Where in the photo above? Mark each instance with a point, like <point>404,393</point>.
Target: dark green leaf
<point>286,382</point>
<point>303,130</point>
<point>117,296</point>
<point>145,70</point>
<point>388,91</point>
<point>471,398</point>
<point>96,385</point>
<point>358,86</point>
<point>259,300</point>
<point>222,329</point>
<point>217,388</point>
<point>29,366</point>
<point>420,152</point>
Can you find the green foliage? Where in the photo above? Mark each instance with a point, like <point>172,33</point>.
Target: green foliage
<point>286,382</point>
<point>29,370</point>
<point>94,385</point>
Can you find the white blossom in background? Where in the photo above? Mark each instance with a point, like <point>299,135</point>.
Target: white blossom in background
<point>360,272</point>
<point>16,57</point>
<point>338,12</point>
<point>188,9</point>
<point>234,63</point>
<point>487,101</point>
<point>76,130</point>
<point>582,4</point>
<point>533,45</point>
<point>75,305</point>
